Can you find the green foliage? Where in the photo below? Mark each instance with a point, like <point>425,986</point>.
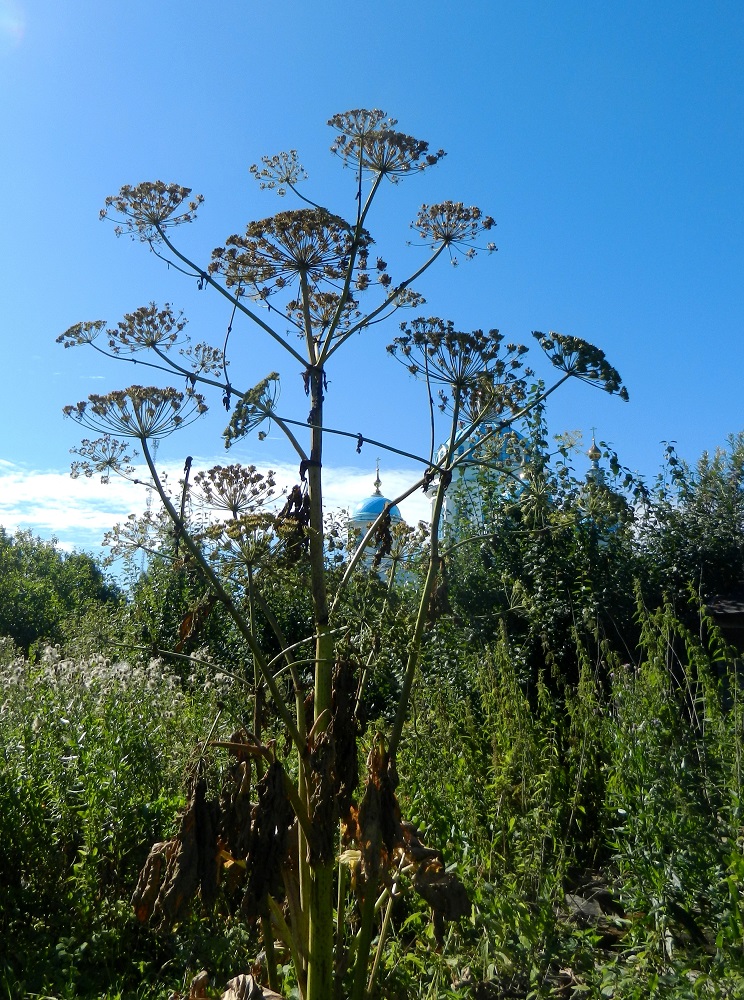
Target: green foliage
<point>626,788</point>
<point>557,557</point>
<point>630,781</point>
<point>549,556</point>
<point>692,531</point>
<point>44,591</point>
<point>92,759</point>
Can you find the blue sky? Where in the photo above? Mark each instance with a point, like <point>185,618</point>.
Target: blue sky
<point>606,140</point>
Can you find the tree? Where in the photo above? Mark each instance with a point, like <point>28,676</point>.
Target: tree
<point>44,590</point>
<point>307,273</point>
<point>691,533</point>
<point>551,556</point>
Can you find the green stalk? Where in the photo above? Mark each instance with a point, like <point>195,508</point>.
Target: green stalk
<point>257,685</point>
<point>320,970</point>
<point>225,598</point>
<point>340,909</point>
<point>381,942</point>
<point>288,938</point>
<point>364,938</point>
<point>414,647</point>
<point>268,939</point>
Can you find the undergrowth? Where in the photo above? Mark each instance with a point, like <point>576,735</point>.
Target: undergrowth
<point>598,829</point>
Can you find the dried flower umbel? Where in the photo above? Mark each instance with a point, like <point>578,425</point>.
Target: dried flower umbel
<point>582,360</point>
<point>477,369</point>
<point>149,328</point>
<point>144,413</point>
<point>453,225</point>
<point>104,455</point>
<point>82,333</point>
<point>234,489</point>
<point>148,209</point>
<point>322,308</point>
<point>368,141</point>
<point>308,244</point>
<point>279,172</point>
<point>252,409</point>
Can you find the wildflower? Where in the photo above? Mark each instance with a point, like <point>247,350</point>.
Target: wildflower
<point>138,412</point>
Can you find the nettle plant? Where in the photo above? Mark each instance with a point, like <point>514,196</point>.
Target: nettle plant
<point>319,856</point>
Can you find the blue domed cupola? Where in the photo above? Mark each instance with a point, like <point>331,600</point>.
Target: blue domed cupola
<point>364,513</point>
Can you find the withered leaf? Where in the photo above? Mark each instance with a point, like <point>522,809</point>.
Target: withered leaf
<point>443,891</point>
<point>151,878</point>
<point>272,818</point>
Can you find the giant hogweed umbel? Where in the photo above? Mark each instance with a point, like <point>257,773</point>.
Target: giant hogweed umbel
<point>312,851</point>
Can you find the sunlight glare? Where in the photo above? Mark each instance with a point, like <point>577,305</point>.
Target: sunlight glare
<point>12,24</point>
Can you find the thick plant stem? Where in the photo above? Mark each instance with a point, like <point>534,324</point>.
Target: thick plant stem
<point>267,933</point>
<point>364,942</point>
<point>257,679</point>
<point>324,638</point>
<point>340,910</point>
<point>320,971</point>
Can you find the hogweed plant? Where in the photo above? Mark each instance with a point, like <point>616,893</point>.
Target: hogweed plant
<point>310,851</point>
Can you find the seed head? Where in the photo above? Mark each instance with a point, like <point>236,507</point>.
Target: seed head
<point>82,333</point>
<point>368,141</point>
<point>147,328</point>
<point>138,412</point>
<point>279,171</point>
<point>582,360</point>
<point>476,367</point>
<point>453,224</point>
<point>308,243</point>
<point>104,455</point>
<point>146,210</point>
<point>237,489</point>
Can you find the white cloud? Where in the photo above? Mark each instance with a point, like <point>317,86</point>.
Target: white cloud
<point>75,511</point>
<point>78,512</point>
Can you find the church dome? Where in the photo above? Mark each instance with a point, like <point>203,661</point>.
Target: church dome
<point>372,507</point>
<point>368,510</point>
